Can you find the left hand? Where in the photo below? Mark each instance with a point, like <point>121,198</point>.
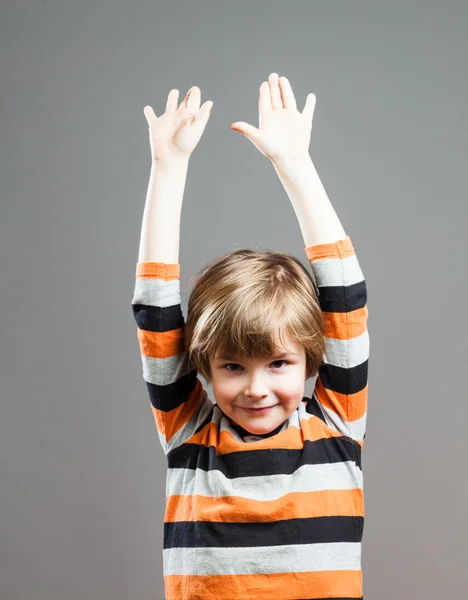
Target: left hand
<point>283,131</point>
<point>176,133</point>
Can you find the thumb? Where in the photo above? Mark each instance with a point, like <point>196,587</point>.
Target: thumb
<point>246,129</point>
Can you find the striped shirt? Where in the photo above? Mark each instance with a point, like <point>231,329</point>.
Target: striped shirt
<point>259,517</point>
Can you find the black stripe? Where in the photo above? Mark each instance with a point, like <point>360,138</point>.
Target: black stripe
<point>313,408</point>
<point>209,534</point>
<point>170,396</point>
<point>342,380</point>
<point>343,298</point>
<point>157,318</point>
<point>258,462</point>
<point>358,450</point>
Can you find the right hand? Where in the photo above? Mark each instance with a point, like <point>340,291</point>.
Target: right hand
<point>176,133</point>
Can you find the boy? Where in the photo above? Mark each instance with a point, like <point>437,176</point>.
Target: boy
<point>264,487</point>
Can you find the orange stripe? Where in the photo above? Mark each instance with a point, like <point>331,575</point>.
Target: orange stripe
<point>161,344</point>
<point>345,326</point>
<point>348,407</point>
<point>159,419</point>
<point>295,505</point>
<point>157,270</point>
<point>317,584</point>
<point>175,419</point>
<point>342,249</point>
<point>312,429</point>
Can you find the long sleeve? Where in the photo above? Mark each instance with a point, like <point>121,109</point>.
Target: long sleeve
<point>175,392</point>
<point>341,388</point>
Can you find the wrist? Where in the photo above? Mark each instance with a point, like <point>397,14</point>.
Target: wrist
<point>171,163</point>
<point>288,163</point>
<point>295,172</point>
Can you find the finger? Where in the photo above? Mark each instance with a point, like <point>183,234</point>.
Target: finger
<point>264,98</point>
<point>276,100</point>
<point>203,116</point>
<point>184,101</point>
<point>289,101</point>
<point>205,111</point>
<point>309,106</point>
<point>172,99</point>
<point>193,100</point>
<point>149,114</point>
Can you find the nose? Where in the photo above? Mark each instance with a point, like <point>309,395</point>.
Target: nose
<point>256,386</point>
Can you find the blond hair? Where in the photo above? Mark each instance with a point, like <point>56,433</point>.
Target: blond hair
<point>242,300</point>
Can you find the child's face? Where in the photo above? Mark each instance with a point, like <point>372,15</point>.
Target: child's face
<point>279,383</point>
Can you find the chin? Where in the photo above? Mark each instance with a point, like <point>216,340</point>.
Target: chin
<point>259,428</point>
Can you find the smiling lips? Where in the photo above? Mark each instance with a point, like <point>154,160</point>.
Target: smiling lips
<point>257,410</point>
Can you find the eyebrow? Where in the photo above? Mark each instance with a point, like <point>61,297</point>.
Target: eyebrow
<point>275,357</point>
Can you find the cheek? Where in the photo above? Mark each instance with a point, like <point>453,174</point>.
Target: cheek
<point>225,388</point>
<point>292,386</point>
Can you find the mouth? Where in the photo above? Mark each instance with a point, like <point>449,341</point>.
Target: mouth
<point>258,411</point>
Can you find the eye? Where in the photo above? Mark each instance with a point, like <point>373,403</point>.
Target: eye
<point>230,365</point>
<point>279,361</point>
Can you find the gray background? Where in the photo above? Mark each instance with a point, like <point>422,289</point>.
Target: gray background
<point>82,471</point>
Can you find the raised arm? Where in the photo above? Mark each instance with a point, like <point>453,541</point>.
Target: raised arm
<point>173,137</point>
<point>173,387</point>
<point>284,137</point>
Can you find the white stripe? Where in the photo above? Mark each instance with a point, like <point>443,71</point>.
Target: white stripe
<point>156,292</point>
<point>298,558</point>
<point>343,475</point>
<point>163,371</point>
<point>347,353</point>
<point>337,271</point>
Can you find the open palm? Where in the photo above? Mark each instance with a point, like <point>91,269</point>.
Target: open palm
<point>177,132</point>
<point>283,131</point>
